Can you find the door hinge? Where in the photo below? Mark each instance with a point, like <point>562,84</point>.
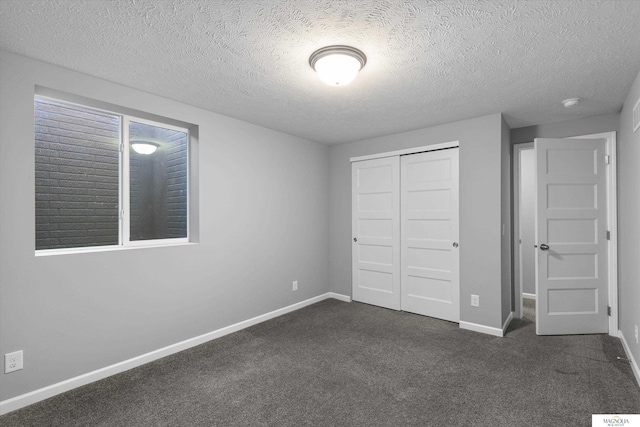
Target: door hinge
<point>608,235</point>
<point>608,311</point>
<point>606,159</point>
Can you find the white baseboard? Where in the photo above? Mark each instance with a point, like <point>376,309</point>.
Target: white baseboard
<point>341,297</point>
<point>482,328</point>
<point>528,296</point>
<point>26,399</point>
<point>627,350</point>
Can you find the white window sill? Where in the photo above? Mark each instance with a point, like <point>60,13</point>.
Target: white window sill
<point>72,251</point>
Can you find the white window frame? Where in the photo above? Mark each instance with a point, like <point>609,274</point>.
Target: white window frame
<point>124,209</point>
<point>125,175</point>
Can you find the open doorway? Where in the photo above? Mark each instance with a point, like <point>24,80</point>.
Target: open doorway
<point>524,216</point>
<point>524,247</point>
<point>529,309</point>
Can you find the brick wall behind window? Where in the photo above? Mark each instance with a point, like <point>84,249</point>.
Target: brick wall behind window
<point>177,186</point>
<point>77,182</point>
<point>159,189</point>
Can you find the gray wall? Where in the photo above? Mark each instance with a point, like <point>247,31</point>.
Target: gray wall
<point>505,215</point>
<point>629,221</point>
<point>586,126</point>
<point>263,223</point>
<point>481,208</point>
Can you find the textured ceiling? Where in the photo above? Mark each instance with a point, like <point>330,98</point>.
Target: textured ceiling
<point>429,62</point>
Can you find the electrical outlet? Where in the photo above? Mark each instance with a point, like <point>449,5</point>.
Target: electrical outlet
<point>636,334</point>
<point>475,300</point>
<point>295,285</point>
<point>12,361</point>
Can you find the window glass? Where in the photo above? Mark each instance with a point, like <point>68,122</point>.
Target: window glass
<point>77,176</point>
<point>158,182</point>
<point>107,179</point>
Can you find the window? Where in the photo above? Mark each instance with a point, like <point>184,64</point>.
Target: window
<point>107,179</point>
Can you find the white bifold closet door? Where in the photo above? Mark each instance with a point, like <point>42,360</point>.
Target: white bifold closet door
<point>405,233</point>
<point>429,234</point>
<point>376,231</point>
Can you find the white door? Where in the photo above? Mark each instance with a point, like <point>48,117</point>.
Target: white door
<point>376,231</point>
<point>429,234</point>
<point>571,221</point>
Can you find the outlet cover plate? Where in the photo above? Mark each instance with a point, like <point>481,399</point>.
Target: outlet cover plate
<point>475,300</point>
<point>12,361</point>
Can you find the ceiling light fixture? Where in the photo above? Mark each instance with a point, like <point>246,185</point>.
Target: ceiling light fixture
<point>568,103</point>
<point>337,65</point>
<point>144,147</point>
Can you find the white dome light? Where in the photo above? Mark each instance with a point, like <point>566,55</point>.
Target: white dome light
<point>337,65</point>
<point>145,148</point>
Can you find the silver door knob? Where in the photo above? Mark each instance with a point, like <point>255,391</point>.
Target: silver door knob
<point>455,244</point>
<point>544,247</point>
<point>355,239</point>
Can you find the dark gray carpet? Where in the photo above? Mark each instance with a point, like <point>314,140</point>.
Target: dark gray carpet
<point>341,364</point>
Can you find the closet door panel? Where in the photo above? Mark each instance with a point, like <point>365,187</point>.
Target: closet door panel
<point>376,232</point>
<point>429,234</point>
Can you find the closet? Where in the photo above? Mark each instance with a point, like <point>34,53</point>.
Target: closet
<point>405,231</point>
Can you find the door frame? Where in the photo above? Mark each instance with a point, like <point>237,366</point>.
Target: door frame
<point>612,225</point>
<point>432,147</point>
